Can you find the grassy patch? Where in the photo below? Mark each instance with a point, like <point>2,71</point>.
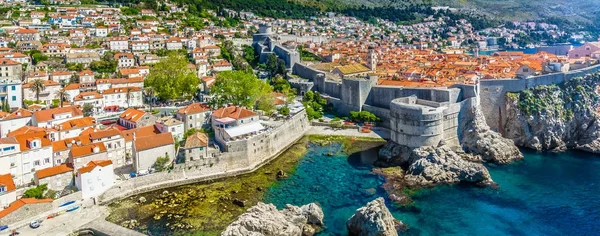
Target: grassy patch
<point>350,144</point>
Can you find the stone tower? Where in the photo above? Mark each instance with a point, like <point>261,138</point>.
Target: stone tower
<point>372,59</point>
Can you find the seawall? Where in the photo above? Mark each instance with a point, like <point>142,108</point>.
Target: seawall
<point>250,155</point>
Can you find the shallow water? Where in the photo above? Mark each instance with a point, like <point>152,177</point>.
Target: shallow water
<point>546,194</point>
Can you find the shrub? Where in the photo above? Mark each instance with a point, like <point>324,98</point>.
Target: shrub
<point>37,192</point>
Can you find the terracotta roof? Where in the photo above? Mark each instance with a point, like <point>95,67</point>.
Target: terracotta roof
<point>87,150</point>
<point>46,83</point>
<point>7,181</point>
<point>52,171</point>
<point>121,90</point>
<point>20,203</point>
<point>198,139</point>
<point>26,130</point>
<point>62,145</point>
<point>104,133</point>
<point>26,31</point>
<point>153,141</point>
<point>8,62</point>
<point>132,115</point>
<point>23,139</point>
<point>46,115</point>
<point>85,96</point>
<point>194,108</point>
<point>86,73</point>
<point>93,164</point>
<point>19,113</point>
<point>57,73</point>
<point>233,112</point>
<point>76,123</point>
<point>140,132</point>
<point>74,86</point>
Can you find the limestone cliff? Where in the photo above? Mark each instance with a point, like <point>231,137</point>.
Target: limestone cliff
<point>477,138</point>
<point>265,219</point>
<point>555,117</point>
<point>374,219</point>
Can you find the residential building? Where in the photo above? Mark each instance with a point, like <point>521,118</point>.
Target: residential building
<point>170,124</point>
<point>16,56</point>
<point>125,59</point>
<point>123,97</point>
<point>197,147</point>
<point>10,70</point>
<point>73,128</point>
<point>51,117</point>
<point>35,154</point>
<point>233,122</point>
<point>86,77</point>
<point>119,43</point>
<point>46,96</point>
<point>62,77</point>
<point>132,118</point>
<point>92,98</point>
<point>81,57</point>
<point>55,49</point>
<point>147,149</point>
<point>11,90</point>
<point>26,35</point>
<point>94,178</point>
<point>57,178</point>
<point>81,155</point>
<point>114,143</point>
<point>194,116</point>
<point>8,193</point>
<point>174,43</point>
<point>13,121</point>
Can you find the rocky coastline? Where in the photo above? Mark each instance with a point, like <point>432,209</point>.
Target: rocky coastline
<point>555,117</point>
<point>374,219</point>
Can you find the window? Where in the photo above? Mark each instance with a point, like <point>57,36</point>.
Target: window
<point>2,188</point>
<point>14,98</point>
<point>47,161</point>
<point>190,151</point>
<point>13,88</point>
<point>58,161</point>
<point>36,163</point>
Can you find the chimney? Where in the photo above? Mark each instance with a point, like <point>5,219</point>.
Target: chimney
<point>134,138</point>
<point>96,149</point>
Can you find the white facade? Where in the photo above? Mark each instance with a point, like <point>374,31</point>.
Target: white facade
<point>94,182</point>
<point>119,45</point>
<point>6,126</point>
<point>13,91</point>
<point>118,97</point>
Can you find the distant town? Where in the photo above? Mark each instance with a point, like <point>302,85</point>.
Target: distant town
<point>94,98</point>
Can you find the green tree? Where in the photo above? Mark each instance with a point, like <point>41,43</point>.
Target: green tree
<point>37,86</point>
<point>37,192</point>
<point>172,78</point>
<point>88,110</point>
<point>266,104</point>
<point>239,88</point>
<point>149,93</point>
<point>62,96</point>
<point>272,64</point>
<point>284,111</point>
<point>160,163</point>
<point>5,106</point>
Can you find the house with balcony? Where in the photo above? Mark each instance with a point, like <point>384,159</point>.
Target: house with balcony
<point>234,123</point>
<point>194,116</point>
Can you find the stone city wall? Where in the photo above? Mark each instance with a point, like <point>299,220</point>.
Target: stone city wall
<point>492,91</point>
<point>25,212</point>
<point>250,155</point>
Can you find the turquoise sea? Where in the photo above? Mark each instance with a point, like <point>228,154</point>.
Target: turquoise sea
<point>546,194</point>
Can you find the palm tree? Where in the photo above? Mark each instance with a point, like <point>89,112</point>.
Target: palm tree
<point>62,95</point>
<point>149,92</point>
<point>37,86</point>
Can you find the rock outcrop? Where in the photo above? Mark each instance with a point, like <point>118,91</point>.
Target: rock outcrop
<point>477,138</point>
<point>555,117</point>
<point>428,166</point>
<point>265,219</point>
<point>374,219</point>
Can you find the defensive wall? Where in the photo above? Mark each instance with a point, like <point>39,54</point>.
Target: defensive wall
<point>492,92</point>
<point>246,156</point>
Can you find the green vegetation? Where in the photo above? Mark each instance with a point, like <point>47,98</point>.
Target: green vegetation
<point>37,86</point>
<point>160,163</point>
<point>76,66</point>
<point>350,145</point>
<point>275,66</point>
<point>238,88</point>
<point>172,78</point>
<point>5,106</point>
<point>315,105</point>
<point>88,110</point>
<point>363,116</point>
<point>108,64</point>
<point>308,56</point>
<point>37,192</point>
<point>37,56</point>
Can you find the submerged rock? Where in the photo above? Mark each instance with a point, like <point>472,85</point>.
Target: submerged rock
<point>265,219</point>
<point>374,219</point>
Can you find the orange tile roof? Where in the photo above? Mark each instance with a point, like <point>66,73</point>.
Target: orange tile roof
<point>20,203</point>
<point>46,115</point>
<point>98,134</point>
<point>132,114</point>
<point>23,139</point>
<point>233,112</point>
<point>7,181</point>
<point>74,86</point>
<point>26,130</point>
<point>76,123</point>
<point>52,171</point>
<point>19,113</point>
<point>62,145</point>
<point>8,62</point>
<point>85,96</point>
<point>140,132</point>
<point>121,90</point>
<point>77,152</point>
<point>93,164</point>
<point>194,108</point>
<point>46,83</point>
<point>153,141</point>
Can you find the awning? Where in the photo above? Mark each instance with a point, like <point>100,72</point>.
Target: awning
<point>244,129</point>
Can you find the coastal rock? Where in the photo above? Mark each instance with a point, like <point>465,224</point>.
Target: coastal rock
<point>265,219</point>
<point>443,165</point>
<point>555,117</point>
<point>428,166</point>
<point>374,219</point>
<point>477,138</point>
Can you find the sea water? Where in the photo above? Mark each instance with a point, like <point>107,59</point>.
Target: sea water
<point>545,194</point>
